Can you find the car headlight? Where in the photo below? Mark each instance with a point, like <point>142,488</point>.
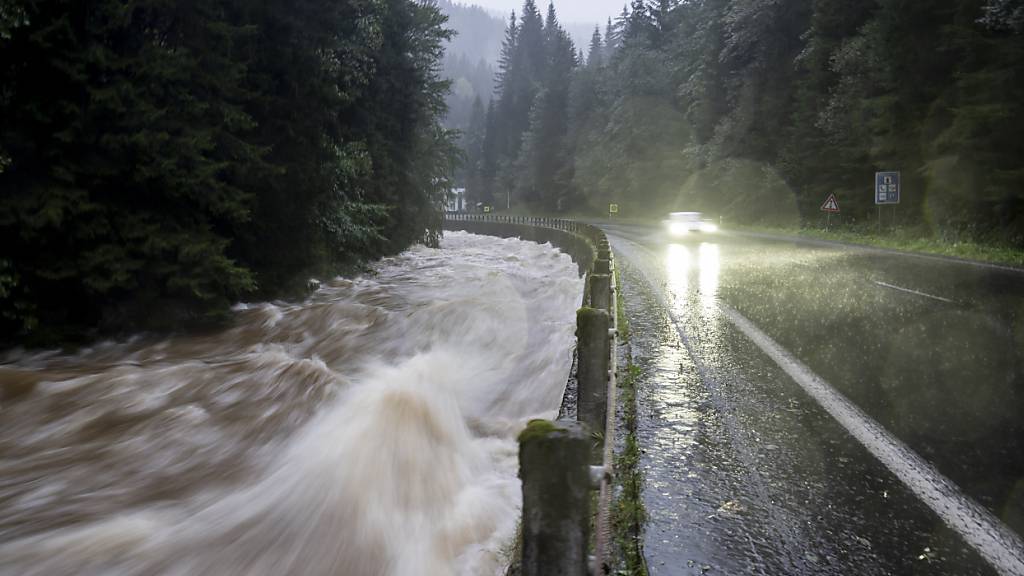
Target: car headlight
<point>708,227</point>
<point>677,229</point>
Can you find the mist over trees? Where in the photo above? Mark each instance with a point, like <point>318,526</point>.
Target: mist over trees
<point>160,160</point>
<point>758,109</point>
<point>470,55</point>
<point>517,147</point>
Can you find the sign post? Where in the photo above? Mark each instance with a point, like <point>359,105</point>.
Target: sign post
<point>831,206</point>
<point>887,191</point>
<point>613,209</point>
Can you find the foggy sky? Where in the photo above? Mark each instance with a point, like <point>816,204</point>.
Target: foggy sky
<point>575,11</point>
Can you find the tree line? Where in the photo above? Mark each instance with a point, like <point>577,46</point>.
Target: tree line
<point>758,109</point>
<point>163,159</point>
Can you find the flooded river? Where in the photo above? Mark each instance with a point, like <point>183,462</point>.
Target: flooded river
<point>367,431</point>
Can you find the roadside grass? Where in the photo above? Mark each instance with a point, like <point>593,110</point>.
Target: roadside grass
<point>903,239</point>
<point>628,514</point>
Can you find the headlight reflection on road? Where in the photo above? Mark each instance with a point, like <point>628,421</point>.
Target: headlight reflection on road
<point>678,265</point>
<point>710,265</point>
<point>677,270</point>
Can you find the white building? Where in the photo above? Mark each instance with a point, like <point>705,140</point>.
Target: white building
<point>456,200</point>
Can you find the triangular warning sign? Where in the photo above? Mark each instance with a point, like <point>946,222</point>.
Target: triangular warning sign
<point>830,205</point>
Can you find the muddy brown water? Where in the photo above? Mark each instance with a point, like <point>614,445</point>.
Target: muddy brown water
<point>368,430</point>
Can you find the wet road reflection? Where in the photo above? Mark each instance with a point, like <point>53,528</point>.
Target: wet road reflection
<point>746,474</point>
<point>710,268</point>
<point>677,270</point>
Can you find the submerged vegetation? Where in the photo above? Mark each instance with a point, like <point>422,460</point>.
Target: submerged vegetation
<point>758,110</point>
<point>162,160</point>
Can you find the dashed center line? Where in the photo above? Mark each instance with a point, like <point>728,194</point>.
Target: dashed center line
<point>909,291</point>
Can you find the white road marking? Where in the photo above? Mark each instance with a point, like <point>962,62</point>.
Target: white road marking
<point>998,544</point>
<point>908,290</point>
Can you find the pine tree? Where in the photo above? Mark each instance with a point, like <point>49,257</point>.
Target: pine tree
<point>505,58</point>
<point>131,200</point>
<point>596,52</point>
<point>161,159</point>
<point>490,156</point>
<point>474,152</point>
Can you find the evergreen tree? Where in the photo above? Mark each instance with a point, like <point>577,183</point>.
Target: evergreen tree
<point>612,38</point>
<point>595,54</point>
<point>541,167</point>
<point>489,156</point>
<point>508,50</point>
<point>127,152</point>
<point>173,156</point>
<point>474,141</point>
<point>760,108</point>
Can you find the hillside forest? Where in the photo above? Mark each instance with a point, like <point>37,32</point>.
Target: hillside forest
<point>757,110</point>
<point>163,160</point>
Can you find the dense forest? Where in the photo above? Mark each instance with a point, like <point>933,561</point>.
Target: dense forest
<point>161,160</point>
<point>758,109</point>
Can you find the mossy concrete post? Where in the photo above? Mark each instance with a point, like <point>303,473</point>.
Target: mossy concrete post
<point>592,359</point>
<point>600,291</point>
<point>602,265</point>
<point>555,469</point>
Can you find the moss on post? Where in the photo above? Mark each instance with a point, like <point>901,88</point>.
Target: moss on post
<point>555,469</point>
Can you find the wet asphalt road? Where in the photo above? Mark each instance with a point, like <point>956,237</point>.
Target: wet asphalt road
<point>747,474</point>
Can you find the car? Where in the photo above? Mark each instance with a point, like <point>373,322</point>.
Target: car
<point>683,223</point>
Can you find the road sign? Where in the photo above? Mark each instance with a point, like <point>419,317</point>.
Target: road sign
<point>831,205</point>
<point>487,209</point>
<point>887,187</point>
<point>613,208</point>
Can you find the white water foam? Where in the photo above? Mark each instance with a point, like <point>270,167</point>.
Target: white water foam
<point>406,389</point>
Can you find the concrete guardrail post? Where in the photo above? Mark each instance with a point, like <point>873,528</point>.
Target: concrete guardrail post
<point>554,465</point>
<point>600,291</point>
<point>592,361</point>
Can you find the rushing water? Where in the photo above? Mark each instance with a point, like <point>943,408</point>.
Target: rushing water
<point>369,430</point>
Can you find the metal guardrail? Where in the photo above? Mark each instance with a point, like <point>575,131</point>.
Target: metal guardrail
<point>587,230</point>
<point>556,458</point>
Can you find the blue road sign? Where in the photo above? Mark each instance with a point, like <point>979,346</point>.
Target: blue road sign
<point>887,187</point>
